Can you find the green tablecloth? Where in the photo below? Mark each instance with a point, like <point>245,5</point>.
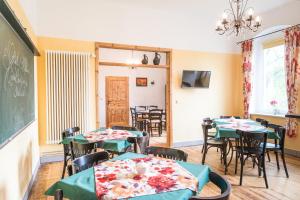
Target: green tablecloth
<point>81,186</point>
<point>112,145</point>
<point>231,133</point>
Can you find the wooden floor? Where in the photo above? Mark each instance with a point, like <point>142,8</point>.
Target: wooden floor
<point>280,187</point>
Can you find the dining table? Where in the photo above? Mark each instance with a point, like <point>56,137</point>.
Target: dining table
<point>115,145</point>
<point>226,131</point>
<point>83,185</point>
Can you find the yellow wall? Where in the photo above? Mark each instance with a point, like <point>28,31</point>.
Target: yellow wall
<point>222,97</point>
<point>20,157</point>
<point>62,45</point>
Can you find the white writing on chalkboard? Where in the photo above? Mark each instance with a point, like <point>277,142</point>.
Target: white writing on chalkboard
<point>16,71</point>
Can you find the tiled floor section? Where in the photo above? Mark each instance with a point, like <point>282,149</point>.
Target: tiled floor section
<point>281,188</point>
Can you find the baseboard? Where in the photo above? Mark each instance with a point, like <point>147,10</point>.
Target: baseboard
<point>187,143</point>
<point>51,158</point>
<point>32,180</point>
<point>292,152</point>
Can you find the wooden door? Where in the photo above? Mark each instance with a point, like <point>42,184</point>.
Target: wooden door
<point>117,101</point>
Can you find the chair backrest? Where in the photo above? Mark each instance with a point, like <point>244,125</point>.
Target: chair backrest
<point>221,183</point>
<point>251,141</point>
<point>141,142</point>
<point>59,195</point>
<point>133,116</point>
<point>127,128</point>
<point>78,150</point>
<point>280,130</point>
<point>155,114</point>
<point>141,108</point>
<point>207,120</point>
<point>69,132</point>
<point>88,161</point>
<point>152,107</point>
<point>264,123</point>
<point>174,154</point>
<point>205,128</point>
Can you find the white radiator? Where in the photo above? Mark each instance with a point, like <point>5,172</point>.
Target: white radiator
<point>67,75</point>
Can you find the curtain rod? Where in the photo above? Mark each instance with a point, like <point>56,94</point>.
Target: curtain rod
<point>268,34</point>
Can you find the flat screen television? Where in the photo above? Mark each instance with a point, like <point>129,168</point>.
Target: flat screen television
<point>195,79</point>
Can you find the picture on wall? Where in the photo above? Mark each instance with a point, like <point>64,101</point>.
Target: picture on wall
<point>141,82</point>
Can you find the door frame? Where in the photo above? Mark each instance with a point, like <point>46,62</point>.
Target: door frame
<point>168,68</point>
<point>106,100</point>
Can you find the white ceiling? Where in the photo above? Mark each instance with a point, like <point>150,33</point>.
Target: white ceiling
<point>183,24</point>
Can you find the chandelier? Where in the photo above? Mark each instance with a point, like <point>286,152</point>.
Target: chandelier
<point>238,18</point>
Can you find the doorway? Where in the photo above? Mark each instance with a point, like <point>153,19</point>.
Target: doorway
<point>117,101</point>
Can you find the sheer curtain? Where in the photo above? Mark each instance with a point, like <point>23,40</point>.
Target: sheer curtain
<point>292,66</point>
<point>247,68</point>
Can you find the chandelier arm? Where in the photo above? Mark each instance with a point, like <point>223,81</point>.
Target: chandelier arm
<point>230,3</point>
<point>244,9</point>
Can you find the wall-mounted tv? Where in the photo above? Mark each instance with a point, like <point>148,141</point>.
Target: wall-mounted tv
<point>195,79</point>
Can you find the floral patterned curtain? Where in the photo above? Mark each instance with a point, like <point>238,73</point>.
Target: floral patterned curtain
<point>247,66</point>
<point>292,66</point>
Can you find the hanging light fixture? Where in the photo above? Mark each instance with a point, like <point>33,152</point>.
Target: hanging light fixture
<point>238,19</point>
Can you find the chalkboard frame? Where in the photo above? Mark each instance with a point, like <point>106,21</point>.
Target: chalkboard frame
<point>15,24</point>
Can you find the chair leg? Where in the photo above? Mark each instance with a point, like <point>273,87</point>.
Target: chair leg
<point>64,167</point>
<point>242,168</point>
<point>204,154</point>
<point>236,162</point>
<point>284,164</point>
<point>225,157</point>
<point>259,167</point>
<point>269,159</point>
<point>277,161</point>
<point>264,171</point>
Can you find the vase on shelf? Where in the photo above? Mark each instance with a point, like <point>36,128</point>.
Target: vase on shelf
<point>145,60</point>
<point>156,59</point>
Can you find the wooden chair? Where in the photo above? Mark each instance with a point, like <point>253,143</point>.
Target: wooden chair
<point>174,154</point>
<point>155,121</point>
<point>59,195</point>
<point>152,107</point>
<point>140,142</point>
<point>133,117</point>
<point>251,145</point>
<point>140,118</point>
<point>140,107</point>
<point>211,133</point>
<point>67,148</point>
<point>278,146</point>
<point>221,183</point>
<point>89,160</point>
<point>212,142</point>
<point>78,150</point>
<point>127,128</point>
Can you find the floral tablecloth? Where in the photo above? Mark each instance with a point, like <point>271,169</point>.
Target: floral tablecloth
<point>81,186</point>
<point>102,135</point>
<point>226,128</point>
<point>141,176</point>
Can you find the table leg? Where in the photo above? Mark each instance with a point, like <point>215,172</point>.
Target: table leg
<point>225,155</point>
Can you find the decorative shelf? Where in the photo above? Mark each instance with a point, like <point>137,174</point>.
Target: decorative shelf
<point>132,65</point>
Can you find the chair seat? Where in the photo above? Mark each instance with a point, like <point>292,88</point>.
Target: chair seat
<point>270,146</point>
<point>249,150</point>
<point>214,141</point>
<point>211,134</point>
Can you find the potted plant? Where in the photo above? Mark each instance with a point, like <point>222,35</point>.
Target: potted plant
<point>274,104</point>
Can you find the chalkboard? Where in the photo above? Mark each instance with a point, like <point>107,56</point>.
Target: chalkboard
<point>17,106</point>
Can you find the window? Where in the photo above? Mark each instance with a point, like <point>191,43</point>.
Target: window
<point>269,83</point>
